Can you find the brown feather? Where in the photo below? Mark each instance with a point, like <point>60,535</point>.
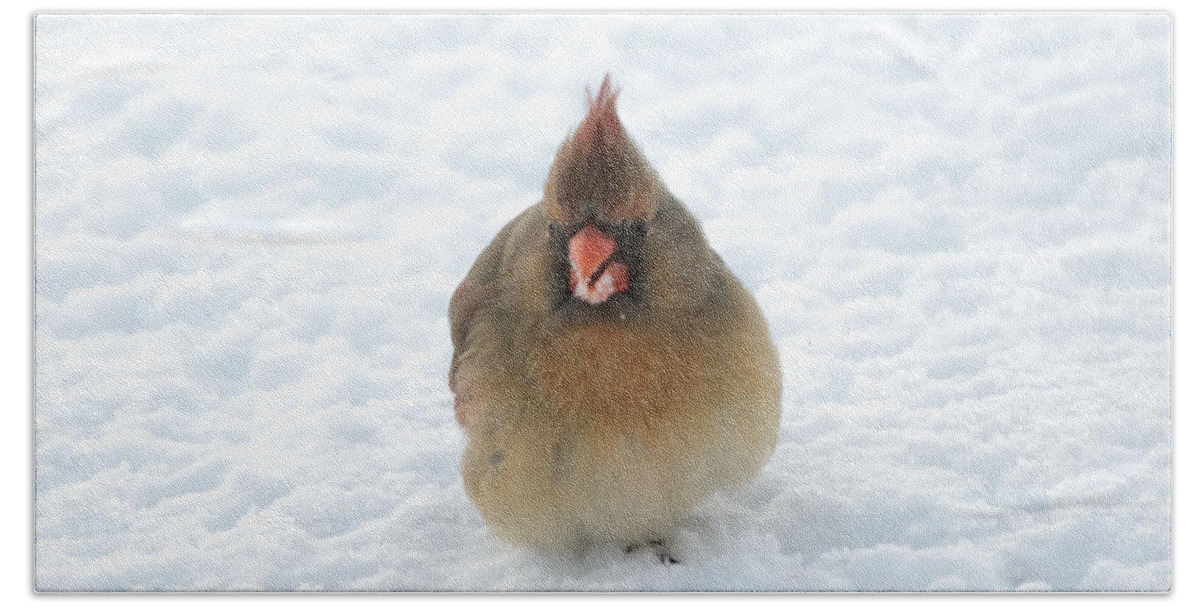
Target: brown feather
<point>598,171</point>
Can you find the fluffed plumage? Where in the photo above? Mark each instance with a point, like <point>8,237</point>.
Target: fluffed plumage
<point>609,370</point>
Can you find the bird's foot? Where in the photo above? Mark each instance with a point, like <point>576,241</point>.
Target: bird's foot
<point>658,548</point>
<point>662,552</point>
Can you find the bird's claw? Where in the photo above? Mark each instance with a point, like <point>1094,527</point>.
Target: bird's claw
<point>660,551</point>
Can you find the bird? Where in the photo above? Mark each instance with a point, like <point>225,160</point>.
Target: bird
<point>609,371</point>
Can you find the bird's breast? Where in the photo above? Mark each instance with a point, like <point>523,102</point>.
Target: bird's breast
<point>621,376</point>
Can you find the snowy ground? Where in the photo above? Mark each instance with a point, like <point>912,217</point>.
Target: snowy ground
<point>248,229</point>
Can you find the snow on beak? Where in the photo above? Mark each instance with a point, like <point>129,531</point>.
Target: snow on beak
<point>595,273</point>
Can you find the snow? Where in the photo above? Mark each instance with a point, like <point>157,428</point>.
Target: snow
<point>248,228</point>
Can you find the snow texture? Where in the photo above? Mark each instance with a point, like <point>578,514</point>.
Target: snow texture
<point>248,228</point>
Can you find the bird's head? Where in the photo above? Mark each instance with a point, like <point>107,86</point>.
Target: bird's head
<point>599,199</point>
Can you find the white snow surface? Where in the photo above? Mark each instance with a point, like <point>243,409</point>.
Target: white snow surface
<point>248,228</point>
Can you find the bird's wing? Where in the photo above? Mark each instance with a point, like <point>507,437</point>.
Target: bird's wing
<point>479,291</point>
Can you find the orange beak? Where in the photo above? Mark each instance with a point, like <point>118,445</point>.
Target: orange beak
<point>595,275</point>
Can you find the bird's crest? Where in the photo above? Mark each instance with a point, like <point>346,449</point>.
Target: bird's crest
<point>601,128</point>
<point>598,172</point>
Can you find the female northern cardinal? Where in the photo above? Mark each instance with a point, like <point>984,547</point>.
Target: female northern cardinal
<point>609,371</point>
